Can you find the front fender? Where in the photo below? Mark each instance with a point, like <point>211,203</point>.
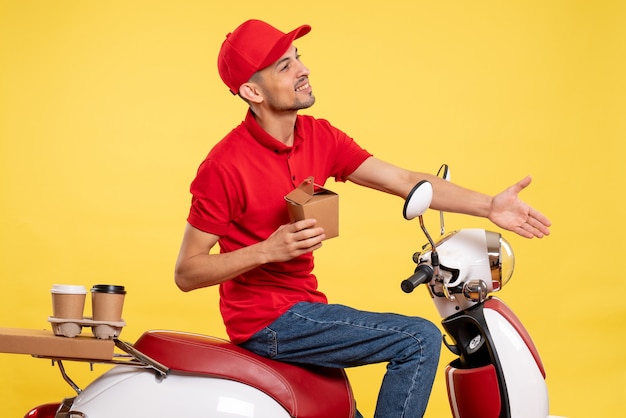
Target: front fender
<point>48,410</point>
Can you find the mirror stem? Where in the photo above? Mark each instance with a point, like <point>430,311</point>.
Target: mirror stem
<point>434,257</point>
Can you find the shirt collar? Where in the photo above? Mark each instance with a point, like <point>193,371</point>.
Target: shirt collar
<point>267,140</point>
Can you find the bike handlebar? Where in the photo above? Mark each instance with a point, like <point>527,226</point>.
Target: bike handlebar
<point>423,274</point>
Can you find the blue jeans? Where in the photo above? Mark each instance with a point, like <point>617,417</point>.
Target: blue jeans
<point>339,336</point>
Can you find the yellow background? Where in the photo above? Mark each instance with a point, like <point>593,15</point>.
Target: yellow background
<point>108,107</point>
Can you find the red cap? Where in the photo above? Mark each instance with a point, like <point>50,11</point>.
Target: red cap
<point>253,46</point>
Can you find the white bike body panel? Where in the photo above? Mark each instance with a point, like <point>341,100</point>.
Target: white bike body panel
<point>466,250</point>
<point>526,386</point>
<point>125,392</point>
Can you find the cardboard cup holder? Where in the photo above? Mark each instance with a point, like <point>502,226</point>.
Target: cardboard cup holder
<point>103,330</point>
<point>68,304</point>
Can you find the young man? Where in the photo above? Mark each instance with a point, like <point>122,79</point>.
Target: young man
<point>268,294</point>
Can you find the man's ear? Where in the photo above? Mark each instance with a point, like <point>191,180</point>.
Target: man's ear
<point>250,92</point>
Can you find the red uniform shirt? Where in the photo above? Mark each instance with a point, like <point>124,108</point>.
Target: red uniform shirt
<point>238,194</point>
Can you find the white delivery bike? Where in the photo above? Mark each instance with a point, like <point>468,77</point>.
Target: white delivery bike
<point>497,372</point>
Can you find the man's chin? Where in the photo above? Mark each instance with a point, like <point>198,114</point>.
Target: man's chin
<point>307,103</point>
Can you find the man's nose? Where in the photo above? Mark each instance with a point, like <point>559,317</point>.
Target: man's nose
<point>303,70</point>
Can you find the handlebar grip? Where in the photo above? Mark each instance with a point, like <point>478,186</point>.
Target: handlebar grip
<point>423,274</point>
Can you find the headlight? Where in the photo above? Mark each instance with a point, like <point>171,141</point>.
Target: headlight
<point>501,259</point>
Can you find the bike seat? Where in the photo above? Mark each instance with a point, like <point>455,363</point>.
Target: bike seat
<point>305,392</point>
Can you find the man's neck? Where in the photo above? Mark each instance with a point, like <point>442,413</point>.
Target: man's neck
<point>278,125</point>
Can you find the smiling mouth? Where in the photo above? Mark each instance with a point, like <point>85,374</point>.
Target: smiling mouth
<point>303,87</point>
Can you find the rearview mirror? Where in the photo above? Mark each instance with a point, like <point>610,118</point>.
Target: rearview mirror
<point>418,201</point>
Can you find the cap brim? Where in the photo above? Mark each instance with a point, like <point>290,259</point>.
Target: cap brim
<point>283,45</point>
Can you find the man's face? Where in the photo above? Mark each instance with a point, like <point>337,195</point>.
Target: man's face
<point>285,84</point>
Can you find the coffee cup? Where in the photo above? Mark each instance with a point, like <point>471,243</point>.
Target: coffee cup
<point>68,301</point>
<point>107,302</point>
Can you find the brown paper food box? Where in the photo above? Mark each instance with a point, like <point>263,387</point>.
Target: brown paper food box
<point>44,343</point>
<point>306,201</point>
